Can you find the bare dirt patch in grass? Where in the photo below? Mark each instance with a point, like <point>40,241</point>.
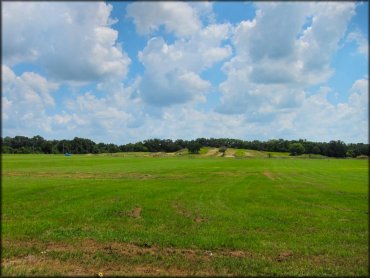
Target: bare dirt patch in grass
<point>180,210</point>
<point>238,254</point>
<point>46,266</point>
<point>154,271</point>
<point>115,258</point>
<point>88,246</point>
<point>269,175</point>
<point>199,219</point>
<point>285,255</point>
<point>119,258</point>
<point>136,212</point>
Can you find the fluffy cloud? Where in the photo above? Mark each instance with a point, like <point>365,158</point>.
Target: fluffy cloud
<point>320,41</point>
<point>172,71</point>
<point>177,17</point>
<point>71,41</point>
<point>25,101</point>
<point>95,114</point>
<point>348,121</point>
<point>361,41</point>
<point>170,74</point>
<point>272,69</point>
<point>204,11</point>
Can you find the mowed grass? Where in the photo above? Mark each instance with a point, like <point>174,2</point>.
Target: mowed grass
<point>183,216</point>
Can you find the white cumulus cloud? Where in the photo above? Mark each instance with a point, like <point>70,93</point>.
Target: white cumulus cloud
<point>177,17</point>
<point>280,53</point>
<point>347,121</point>
<point>361,41</point>
<point>71,41</point>
<point>25,100</point>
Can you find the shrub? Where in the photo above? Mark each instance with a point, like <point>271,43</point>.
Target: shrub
<point>194,147</point>
<point>222,150</point>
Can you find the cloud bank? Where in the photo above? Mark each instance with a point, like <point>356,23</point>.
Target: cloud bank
<point>261,78</point>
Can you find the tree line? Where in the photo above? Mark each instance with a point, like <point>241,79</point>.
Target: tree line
<point>37,144</point>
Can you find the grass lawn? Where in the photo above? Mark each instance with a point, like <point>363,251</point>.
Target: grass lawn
<point>183,215</point>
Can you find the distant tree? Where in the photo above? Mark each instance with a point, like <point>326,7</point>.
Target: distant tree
<point>7,149</point>
<point>296,149</point>
<point>222,150</point>
<point>46,147</point>
<point>112,148</point>
<point>54,149</point>
<point>153,145</point>
<point>180,143</point>
<point>351,153</point>
<point>202,141</point>
<point>95,149</point>
<point>139,147</point>
<point>194,147</point>
<point>354,150</point>
<point>316,150</point>
<point>337,149</point>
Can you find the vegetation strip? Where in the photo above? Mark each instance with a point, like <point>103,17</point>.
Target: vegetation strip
<point>37,144</point>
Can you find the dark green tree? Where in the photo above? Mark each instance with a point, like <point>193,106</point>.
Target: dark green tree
<point>316,150</point>
<point>296,149</point>
<point>194,147</point>
<point>337,149</point>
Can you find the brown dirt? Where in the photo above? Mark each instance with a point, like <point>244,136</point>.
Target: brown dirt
<point>41,265</point>
<point>283,256</point>
<point>44,262</point>
<point>269,175</point>
<point>89,246</point>
<point>230,153</point>
<point>211,152</point>
<point>200,219</point>
<point>238,254</point>
<point>136,212</point>
<point>57,258</point>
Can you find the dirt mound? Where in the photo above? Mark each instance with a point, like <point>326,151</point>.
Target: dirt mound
<point>230,153</point>
<point>212,152</point>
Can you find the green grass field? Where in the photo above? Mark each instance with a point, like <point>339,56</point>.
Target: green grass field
<point>184,215</point>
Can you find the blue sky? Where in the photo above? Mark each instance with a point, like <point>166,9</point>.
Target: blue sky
<point>128,71</point>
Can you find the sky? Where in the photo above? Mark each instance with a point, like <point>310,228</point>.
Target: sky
<point>120,72</point>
